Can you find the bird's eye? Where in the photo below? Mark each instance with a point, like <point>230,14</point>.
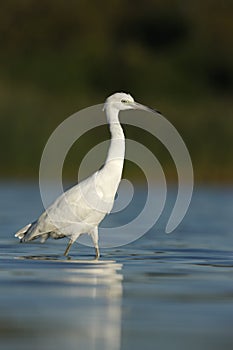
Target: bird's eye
<point>124,101</point>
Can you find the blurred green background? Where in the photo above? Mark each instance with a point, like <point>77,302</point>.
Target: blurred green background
<point>60,56</point>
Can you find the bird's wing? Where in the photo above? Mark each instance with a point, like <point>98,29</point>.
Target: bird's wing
<point>80,204</point>
<point>73,212</point>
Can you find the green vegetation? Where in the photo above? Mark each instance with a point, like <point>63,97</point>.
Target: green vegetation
<point>58,57</point>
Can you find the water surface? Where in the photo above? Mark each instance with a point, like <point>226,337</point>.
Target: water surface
<point>160,292</point>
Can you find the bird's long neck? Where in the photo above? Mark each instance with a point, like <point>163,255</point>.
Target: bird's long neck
<point>116,152</point>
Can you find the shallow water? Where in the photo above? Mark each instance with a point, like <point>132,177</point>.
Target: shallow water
<point>160,292</point>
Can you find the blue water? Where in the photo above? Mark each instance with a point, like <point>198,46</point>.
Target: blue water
<point>160,292</point>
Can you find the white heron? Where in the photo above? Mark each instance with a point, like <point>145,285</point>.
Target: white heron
<point>81,209</point>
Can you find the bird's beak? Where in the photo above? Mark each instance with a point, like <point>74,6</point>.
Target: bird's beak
<point>137,105</point>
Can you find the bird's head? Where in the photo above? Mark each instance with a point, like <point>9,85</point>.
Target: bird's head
<point>121,101</point>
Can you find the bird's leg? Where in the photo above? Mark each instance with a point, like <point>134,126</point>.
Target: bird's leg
<point>94,236</point>
<point>97,253</point>
<point>68,247</point>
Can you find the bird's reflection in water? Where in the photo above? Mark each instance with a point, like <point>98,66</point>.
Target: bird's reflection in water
<point>101,286</point>
<point>83,304</point>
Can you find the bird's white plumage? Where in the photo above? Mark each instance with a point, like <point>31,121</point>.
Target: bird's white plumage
<point>80,209</point>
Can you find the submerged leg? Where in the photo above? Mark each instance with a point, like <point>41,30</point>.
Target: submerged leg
<point>94,236</point>
<point>68,247</point>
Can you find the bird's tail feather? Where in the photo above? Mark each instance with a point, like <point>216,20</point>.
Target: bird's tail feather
<point>23,231</point>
